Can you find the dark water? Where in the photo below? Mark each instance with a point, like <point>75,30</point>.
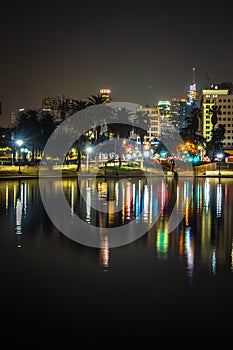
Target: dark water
<point>165,285</point>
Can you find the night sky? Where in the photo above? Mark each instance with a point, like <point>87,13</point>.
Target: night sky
<point>142,51</point>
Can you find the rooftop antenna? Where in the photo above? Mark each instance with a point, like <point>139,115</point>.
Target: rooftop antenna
<point>194,69</point>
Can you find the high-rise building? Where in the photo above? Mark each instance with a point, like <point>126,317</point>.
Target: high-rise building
<point>192,93</point>
<point>59,106</point>
<point>164,108</point>
<point>154,129</point>
<point>220,95</point>
<point>106,93</point>
<point>179,113</point>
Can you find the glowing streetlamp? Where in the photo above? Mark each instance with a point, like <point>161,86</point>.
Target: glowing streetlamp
<point>19,143</point>
<point>88,150</point>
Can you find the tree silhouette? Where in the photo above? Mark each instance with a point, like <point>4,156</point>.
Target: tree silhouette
<point>192,122</point>
<point>96,100</point>
<point>79,106</point>
<point>214,110</point>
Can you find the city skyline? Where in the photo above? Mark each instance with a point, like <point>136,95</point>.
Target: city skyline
<point>143,54</point>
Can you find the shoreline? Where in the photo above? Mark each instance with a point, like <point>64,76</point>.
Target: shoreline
<point>76,176</point>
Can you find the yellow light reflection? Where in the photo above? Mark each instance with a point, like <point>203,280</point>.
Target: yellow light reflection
<point>7,196</point>
<point>104,253</point>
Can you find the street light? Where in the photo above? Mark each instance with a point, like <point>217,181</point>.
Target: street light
<point>88,150</point>
<point>19,143</point>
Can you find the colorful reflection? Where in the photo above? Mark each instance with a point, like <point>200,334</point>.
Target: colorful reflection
<point>203,236</point>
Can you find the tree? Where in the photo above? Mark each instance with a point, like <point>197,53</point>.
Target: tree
<point>28,129</point>
<point>141,121</point>
<point>96,100</point>
<point>64,108</point>
<point>79,106</point>
<point>195,143</point>
<point>214,110</point>
<point>192,122</point>
<point>215,144</point>
<point>47,126</point>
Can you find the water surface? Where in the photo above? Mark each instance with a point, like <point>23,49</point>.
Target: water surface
<point>176,284</point>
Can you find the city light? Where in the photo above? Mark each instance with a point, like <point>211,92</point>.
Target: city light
<point>19,143</point>
<point>88,150</point>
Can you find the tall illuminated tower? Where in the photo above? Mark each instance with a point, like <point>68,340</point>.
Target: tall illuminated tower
<point>192,93</point>
<point>105,93</point>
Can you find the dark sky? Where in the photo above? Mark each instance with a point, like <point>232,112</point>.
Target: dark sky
<point>144,51</point>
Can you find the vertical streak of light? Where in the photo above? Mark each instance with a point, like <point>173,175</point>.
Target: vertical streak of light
<point>117,193</point>
<point>88,205</point>
<point>72,199</point>
<point>139,194</point>
<point>162,197</point>
<point>213,262</point>
<point>219,201</point>
<point>21,193</point>
<point>7,196</point>
<point>189,252</point>
<point>134,194</point>
<point>128,199</point>
<point>104,253</point>
<point>206,195</point>
<point>123,203</point>
<point>162,243</point>
<point>177,196</point>
<point>198,198</point>
<point>151,204</point>
<point>146,203</point>
<point>14,195</point>
<point>25,199</point>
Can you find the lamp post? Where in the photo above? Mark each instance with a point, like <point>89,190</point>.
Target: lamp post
<point>19,143</point>
<point>88,150</point>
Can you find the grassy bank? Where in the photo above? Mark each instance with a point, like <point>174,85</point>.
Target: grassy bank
<point>67,171</point>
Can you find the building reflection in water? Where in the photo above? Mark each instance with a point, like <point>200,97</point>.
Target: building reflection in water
<point>203,236</point>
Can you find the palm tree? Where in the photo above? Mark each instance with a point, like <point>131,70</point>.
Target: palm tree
<point>28,129</point>
<point>64,108</point>
<point>96,100</point>
<point>121,122</point>
<point>192,122</point>
<point>79,106</point>
<point>214,110</point>
<point>47,126</point>
<point>141,122</point>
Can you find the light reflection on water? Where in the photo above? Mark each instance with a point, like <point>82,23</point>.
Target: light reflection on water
<point>203,237</point>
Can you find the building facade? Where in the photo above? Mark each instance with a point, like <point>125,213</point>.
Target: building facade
<point>179,113</point>
<point>59,106</point>
<point>223,98</point>
<point>106,93</point>
<point>154,129</point>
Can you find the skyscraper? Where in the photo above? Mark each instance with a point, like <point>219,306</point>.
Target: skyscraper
<point>192,93</point>
<point>220,95</point>
<point>106,93</point>
<point>179,111</point>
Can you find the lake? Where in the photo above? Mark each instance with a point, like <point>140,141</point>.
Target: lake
<point>175,284</point>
